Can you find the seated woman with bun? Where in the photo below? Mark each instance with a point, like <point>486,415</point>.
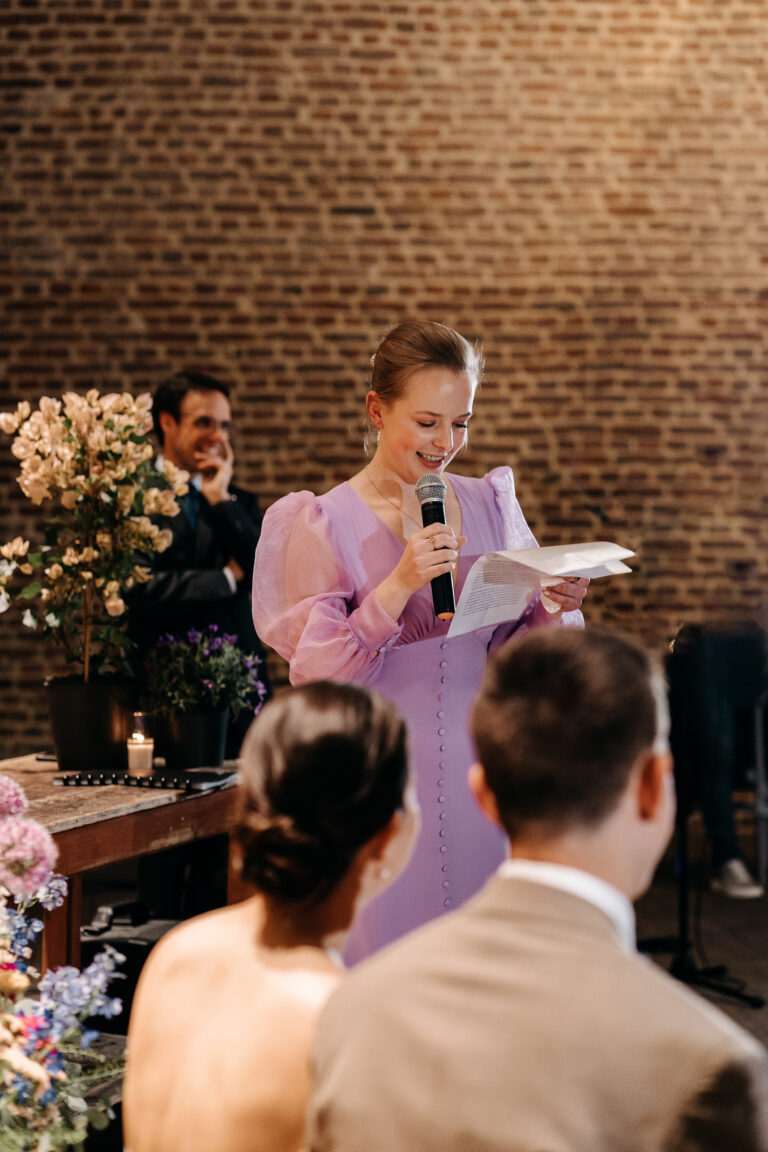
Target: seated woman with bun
<point>225,1011</point>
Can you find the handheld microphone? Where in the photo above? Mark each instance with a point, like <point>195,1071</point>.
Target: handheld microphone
<point>430,492</point>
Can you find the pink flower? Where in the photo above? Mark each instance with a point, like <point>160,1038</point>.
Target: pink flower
<point>13,802</point>
<point>27,855</point>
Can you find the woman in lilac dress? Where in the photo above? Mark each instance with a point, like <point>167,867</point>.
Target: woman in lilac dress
<point>342,591</point>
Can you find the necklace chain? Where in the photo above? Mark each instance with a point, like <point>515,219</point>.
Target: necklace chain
<point>391,502</point>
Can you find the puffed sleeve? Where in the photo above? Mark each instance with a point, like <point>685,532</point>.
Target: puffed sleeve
<point>302,599</point>
<point>517,534</point>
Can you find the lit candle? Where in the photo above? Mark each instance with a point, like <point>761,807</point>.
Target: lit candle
<point>141,750</point>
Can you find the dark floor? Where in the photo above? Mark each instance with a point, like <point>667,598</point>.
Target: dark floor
<point>722,931</point>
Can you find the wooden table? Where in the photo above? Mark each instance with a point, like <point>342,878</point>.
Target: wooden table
<point>104,824</point>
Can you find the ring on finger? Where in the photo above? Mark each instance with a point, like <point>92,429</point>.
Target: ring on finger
<point>432,542</point>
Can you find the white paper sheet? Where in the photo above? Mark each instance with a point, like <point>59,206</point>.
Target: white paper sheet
<point>501,584</point>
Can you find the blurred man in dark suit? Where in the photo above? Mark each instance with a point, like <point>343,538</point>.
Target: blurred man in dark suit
<point>204,577</point>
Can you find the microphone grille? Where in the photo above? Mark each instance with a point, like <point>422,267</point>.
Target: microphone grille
<point>430,487</point>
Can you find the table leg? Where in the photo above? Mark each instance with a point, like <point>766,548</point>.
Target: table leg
<point>61,932</point>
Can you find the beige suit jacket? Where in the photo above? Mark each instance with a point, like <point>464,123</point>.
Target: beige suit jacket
<point>519,1023</point>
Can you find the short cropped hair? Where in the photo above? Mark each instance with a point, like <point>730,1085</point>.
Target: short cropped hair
<point>169,395</point>
<point>324,768</point>
<point>562,717</point>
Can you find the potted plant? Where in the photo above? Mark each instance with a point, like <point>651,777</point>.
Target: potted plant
<point>46,1074</point>
<point>89,456</point>
<point>193,683</point>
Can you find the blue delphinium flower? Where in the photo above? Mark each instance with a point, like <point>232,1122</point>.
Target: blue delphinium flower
<point>66,995</point>
<point>53,893</point>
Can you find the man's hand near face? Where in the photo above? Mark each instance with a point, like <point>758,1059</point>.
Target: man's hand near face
<point>216,473</point>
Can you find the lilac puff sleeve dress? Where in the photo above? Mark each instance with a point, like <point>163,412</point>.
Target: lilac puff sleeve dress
<point>317,563</point>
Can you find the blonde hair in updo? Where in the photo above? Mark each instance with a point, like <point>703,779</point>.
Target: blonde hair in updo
<point>324,768</point>
<point>417,344</point>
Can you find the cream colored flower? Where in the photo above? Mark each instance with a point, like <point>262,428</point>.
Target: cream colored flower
<point>12,981</point>
<point>160,502</point>
<point>11,1054</point>
<point>54,572</point>
<point>35,488</point>
<point>68,498</point>
<point>50,408</point>
<point>177,477</point>
<point>163,540</point>
<point>125,497</point>
<point>15,549</point>
<point>115,606</point>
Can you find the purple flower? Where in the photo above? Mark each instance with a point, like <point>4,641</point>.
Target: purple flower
<point>193,636</point>
<point>27,855</point>
<point>20,933</point>
<point>67,996</point>
<point>53,893</point>
<point>13,802</point>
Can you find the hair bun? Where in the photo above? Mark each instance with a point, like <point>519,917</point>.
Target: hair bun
<point>285,862</point>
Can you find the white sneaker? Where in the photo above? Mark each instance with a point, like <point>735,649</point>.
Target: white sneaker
<point>733,879</point>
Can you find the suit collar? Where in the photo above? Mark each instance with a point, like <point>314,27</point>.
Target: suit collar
<point>582,884</point>
<point>505,896</point>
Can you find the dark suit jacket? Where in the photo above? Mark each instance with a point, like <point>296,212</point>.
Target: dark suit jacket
<point>188,588</point>
<point>520,1024</point>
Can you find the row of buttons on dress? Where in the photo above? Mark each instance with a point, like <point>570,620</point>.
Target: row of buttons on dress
<point>441,798</point>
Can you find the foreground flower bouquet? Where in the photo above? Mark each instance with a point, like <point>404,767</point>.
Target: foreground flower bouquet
<point>44,1022</point>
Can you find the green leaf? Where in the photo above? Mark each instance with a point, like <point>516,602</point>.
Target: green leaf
<point>97,1119</point>
<point>77,1104</point>
<point>31,590</point>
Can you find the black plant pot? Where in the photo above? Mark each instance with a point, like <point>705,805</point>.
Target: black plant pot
<point>90,722</point>
<point>193,739</point>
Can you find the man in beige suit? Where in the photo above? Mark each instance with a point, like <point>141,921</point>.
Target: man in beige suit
<point>525,1021</point>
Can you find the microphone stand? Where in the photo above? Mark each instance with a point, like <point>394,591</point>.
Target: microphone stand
<point>713,978</point>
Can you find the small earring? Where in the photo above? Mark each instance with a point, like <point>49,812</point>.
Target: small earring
<point>384,873</point>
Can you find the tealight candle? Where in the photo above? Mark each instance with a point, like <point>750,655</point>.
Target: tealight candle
<point>141,751</point>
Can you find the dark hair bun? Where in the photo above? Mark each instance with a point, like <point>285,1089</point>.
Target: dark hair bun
<point>324,768</point>
<point>284,862</point>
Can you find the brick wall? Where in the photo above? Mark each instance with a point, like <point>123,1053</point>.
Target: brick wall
<point>263,189</point>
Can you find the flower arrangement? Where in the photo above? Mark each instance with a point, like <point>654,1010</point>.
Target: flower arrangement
<point>92,455</point>
<point>203,670</point>
<point>44,1073</point>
